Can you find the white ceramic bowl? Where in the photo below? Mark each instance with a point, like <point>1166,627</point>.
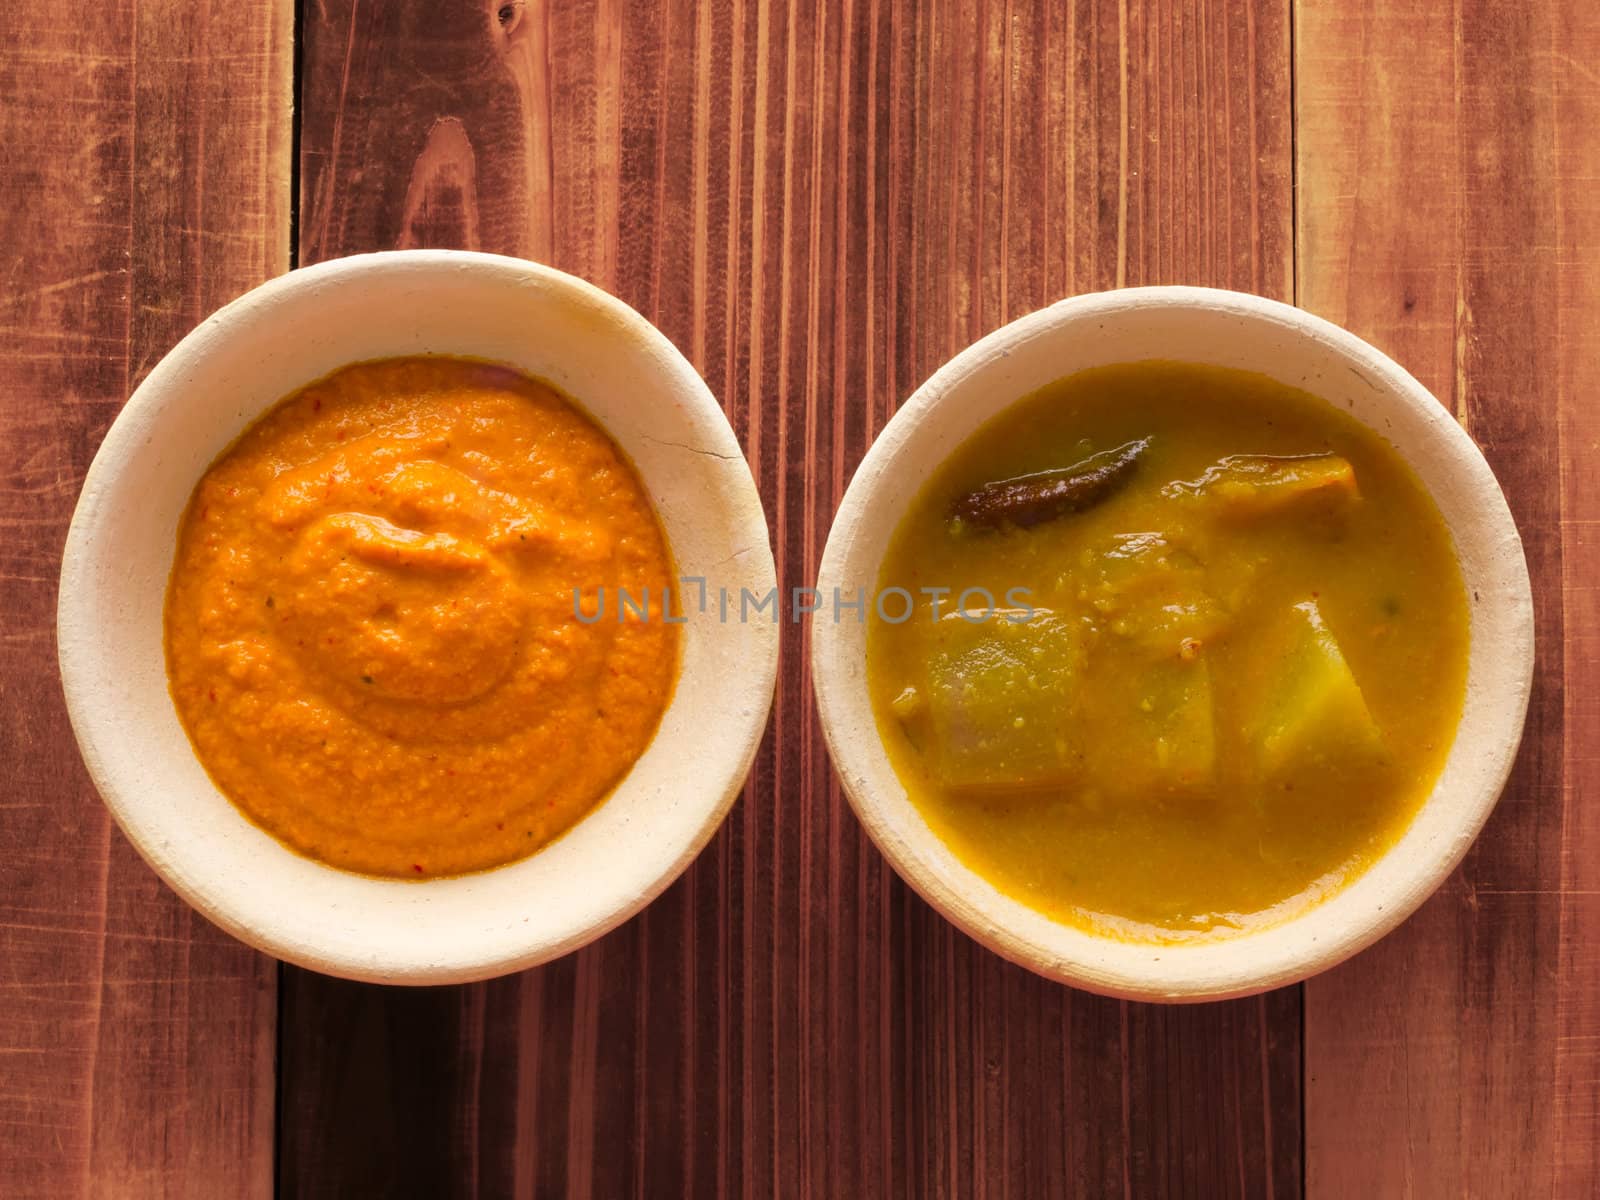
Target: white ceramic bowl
<point>1225,329</point>
<point>120,550</point>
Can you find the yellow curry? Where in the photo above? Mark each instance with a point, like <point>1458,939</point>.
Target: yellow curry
<point>1179,650</point>
<point>372,637</point>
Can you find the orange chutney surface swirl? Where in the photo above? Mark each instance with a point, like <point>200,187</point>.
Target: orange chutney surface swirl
<point>370,628</point>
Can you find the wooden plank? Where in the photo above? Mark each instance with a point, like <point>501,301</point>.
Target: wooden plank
<point>1575,41</point>
<point>1446,213</point>
<point>819,203</point>
<point>146,147</point>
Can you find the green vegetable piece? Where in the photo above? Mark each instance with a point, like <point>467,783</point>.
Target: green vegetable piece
<point>1314,715</point>
<point>1151,594</point>
<point>998,702</point>
<point>1153,732</point>
<point>1028,500</point>
<point>1252,485</point>
<point>1180,724</point>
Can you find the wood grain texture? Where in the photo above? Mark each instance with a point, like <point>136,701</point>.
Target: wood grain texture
<point>1574,150</point>
<point>145,153</point>
<point>1447,213</point>
<point>819,203</point>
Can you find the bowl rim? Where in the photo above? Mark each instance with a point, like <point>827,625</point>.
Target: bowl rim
<point>98,733</point>
<point>1149,970</point>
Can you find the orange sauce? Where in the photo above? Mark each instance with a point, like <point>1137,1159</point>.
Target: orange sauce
<point>370,629</point>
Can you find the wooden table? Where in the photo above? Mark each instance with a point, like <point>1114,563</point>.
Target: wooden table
<point>819,203</point>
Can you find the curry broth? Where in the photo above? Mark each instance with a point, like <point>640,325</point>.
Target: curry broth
<point>1208,765</point>
<point>370,627</point>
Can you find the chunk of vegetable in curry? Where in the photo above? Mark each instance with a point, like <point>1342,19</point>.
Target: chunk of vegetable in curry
<point>1312,714</point>
<point>1227,670</point>
<point>993,717</point>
